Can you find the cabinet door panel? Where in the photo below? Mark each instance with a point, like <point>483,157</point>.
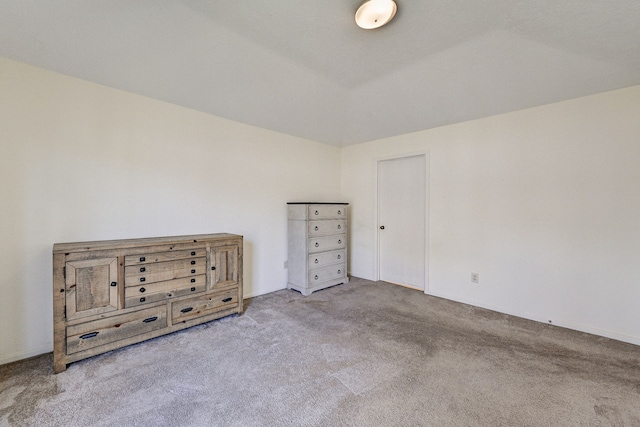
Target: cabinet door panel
<point>224,266</point>
<point>91,287</point>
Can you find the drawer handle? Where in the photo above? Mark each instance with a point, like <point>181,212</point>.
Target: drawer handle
<point>315,277</point>
<point>339,227</point>
<point>339,241</point>
<point>114,283</point>
<point>150,319</point>
<point>143,299</point>
<point>339,212</point>
<point>339,256</point>
<point>143,269</point>
<point>89,335</point>
<point>142,259</point>
<point>193,288</point>
<point>316,212</point>
<point>213,268</point>
<point>193,271</point>
<point>316,261</point>
<point>339,271</point>
<point>193,263</point>
<point>317,244</point>
<point>186,310</point>
<point>193,280</point>
<point>142,289</point>
<point>142,279</point>
<point>193,253</point>
<point>316,228</point>
<point>227,299</point>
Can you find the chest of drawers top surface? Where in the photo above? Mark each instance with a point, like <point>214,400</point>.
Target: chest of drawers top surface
<point>136,243</point>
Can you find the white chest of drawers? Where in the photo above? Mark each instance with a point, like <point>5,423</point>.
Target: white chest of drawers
<point>317,246</point>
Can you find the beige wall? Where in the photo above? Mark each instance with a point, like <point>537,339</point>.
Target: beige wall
<point>543,203</point>
<point>81,161</point>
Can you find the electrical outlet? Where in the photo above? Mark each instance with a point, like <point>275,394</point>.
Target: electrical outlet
<point>475,278</point>
<point>286,265</point>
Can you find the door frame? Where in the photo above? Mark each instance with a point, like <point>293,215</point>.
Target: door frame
<point>427,208</point>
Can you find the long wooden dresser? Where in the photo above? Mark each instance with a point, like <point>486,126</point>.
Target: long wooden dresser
<point>110,294</point>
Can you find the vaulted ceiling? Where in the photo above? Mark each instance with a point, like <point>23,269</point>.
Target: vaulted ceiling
<point>304,68</point>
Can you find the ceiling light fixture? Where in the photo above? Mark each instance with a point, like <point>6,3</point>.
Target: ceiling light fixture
<point>375,13</point>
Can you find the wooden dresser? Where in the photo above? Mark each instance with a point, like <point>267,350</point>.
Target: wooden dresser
<point>110,294</point>
<point>317,244</point>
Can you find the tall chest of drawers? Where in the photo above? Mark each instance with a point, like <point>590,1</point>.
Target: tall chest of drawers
<point>317,244</point>
<point>109,294</point>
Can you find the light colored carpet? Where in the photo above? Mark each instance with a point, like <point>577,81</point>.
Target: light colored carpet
<point>361,354</point>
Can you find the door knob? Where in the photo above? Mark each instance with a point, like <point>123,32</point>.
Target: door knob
<point>382,227</point>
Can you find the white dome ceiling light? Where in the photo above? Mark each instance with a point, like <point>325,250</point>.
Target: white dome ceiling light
<point>375,13</point>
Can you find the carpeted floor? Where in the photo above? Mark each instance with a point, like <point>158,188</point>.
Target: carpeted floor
<point>362,354</point>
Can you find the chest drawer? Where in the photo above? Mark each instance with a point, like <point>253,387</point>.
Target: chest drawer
<point>104,331</point>
<point>160,271</point>
<point>326,258</point>
<point>164,256</point>
<point>327,273</point>
<point>329,226</point>
<point>327,243</point>
<point>182,311</point>
<point>327,212</point>
<point>152,292</point>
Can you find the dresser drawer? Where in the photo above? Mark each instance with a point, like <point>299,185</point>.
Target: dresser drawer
<point>327,243</point>
<point>329,226</point>
<point>152,292</point>
<point>325,258</point>
<point>182,311</point>
<point>104,331</point>
<point>164,256</point>
<point>327,273</point>
<point>160,271</point>
<point>327,212</point>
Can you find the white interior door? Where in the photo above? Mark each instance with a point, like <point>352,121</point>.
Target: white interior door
<point>402,207</point>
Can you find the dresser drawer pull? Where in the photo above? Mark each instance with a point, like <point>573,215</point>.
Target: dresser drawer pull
<point>143,299</point>
<point>186,310</point>
<point>193,263</point>
<point>227,299</point>
<point>193,280</point>
<point>143,269</point>
<point>316,212</point>
<point>193,271</point>
<point>193,289</point>
<point>114,283</point>
<point>339,241</point>
<point>315,277</point>
<point>142,259</point>
<point>339,212</point>
<point>193,253</point>
<point>213,268</point>
<point>316,228</point>
<point>89,335</point>
<point>317,244</point>
<point>142,289</point>
<point>142,279</point>
<point>339,271</point>
<point>150,319</point>
<point>316,261</point>
<point>339,256</point>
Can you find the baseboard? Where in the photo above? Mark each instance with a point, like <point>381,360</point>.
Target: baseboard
<point>567,325</point>
<point>25,355</point>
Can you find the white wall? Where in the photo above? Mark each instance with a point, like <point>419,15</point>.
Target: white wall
<point>543,203</point>
<point>81,162</point>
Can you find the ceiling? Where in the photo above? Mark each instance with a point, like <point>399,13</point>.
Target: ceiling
<point>305,69</point>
